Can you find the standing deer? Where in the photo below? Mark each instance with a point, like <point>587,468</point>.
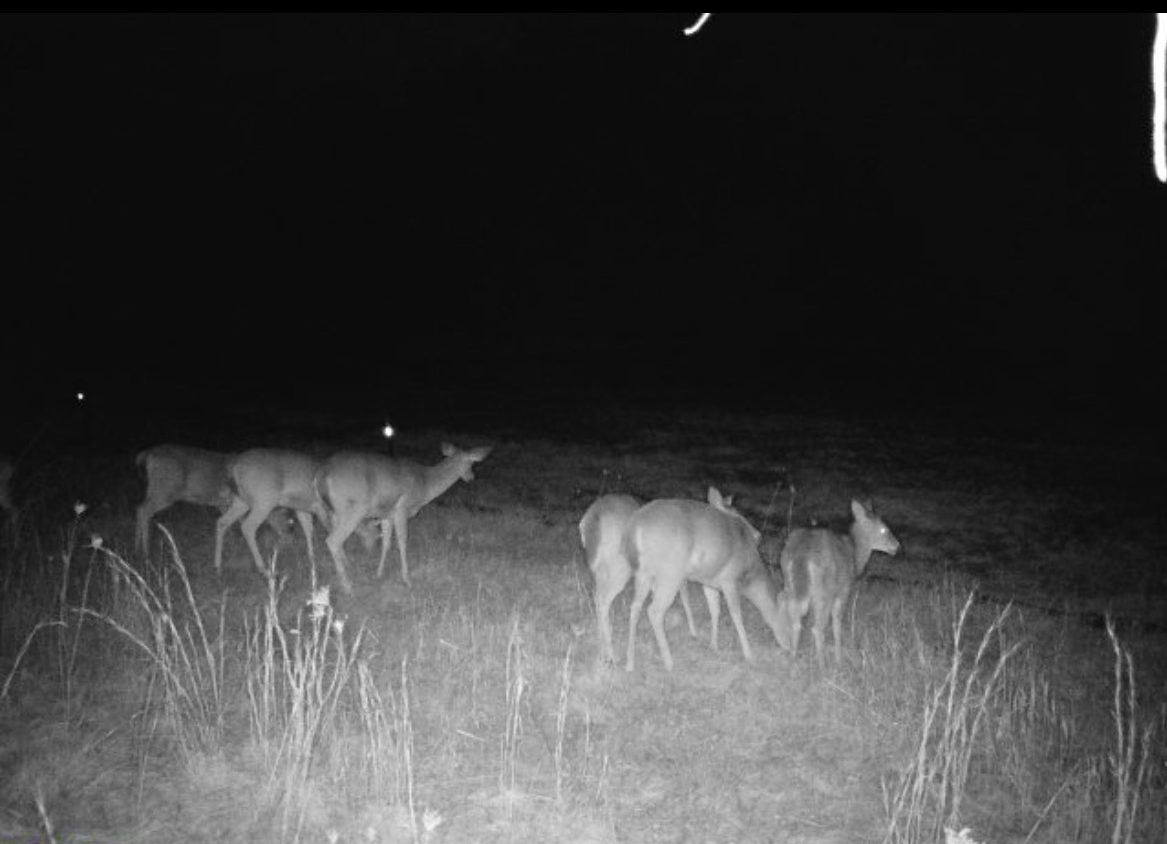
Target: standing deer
<point>261,480</point>
<point>183,473</point>
<point>357,487</point>
<point>672,540</point>
<point>601,530</point>
<point>820,566</point>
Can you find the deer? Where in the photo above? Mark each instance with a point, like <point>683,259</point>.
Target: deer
<point>357,487</point>
<point>671,540</point>
<point>184,473</point>
<point>260,480</point>
<point>601,531</point>
<point>820,567</point>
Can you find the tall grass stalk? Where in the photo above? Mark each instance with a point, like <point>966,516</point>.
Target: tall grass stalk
<point>295,680</point>
<point>561,720</point>
<point>1132,746</point>
<point>186,659</point>
<point>516,685</point>
<point>930,792</point>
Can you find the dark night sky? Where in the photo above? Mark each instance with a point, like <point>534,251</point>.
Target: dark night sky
<point>383,212</point>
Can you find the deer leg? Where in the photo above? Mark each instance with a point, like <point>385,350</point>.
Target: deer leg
<point>735,613</point>
<point>250,526</point>
<point>612,576</point>
<point>342,526</point>
<point>643,587</point>
<point>401,525</point>
<point>713,599</point>
<point>234,513</point>
<point>662,598</point>
<point>688,609</point>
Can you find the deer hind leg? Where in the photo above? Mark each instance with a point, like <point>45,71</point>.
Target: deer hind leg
<point>688,609</point>
<point>145,513</point>
<point>612,575</point>
<point>822,614</point>
<point>642,588</point>
<point>796,611</point>
<point>231,515</point>
<point>713,600</point>
<point>250,526</point>
<point>401,525</point>
<point>663,596</point>
<point>342,527</point>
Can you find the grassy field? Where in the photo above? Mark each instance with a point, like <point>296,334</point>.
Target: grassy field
<point>145,699</point>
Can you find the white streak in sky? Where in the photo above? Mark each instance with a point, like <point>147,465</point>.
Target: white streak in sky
<point>1158,81</point>
<point>695,28</point>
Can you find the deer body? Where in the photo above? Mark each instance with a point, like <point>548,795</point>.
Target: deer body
<point>601,530</point>
<point>184,473</point>
<point>820,568</point>
<point>262,480</point>
<point>670,541</point>
<point>357,487</point>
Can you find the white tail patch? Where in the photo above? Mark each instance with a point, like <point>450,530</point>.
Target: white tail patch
<point>670,541</point>
<point>357,487</point>
<point>192,475</point>
<point>262,480</point>
<point>821,566</point>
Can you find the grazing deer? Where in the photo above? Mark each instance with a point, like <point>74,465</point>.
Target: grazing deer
<point>820,567</point>
<point>672,540</point>
<point>261,480</point>
<point>601,530</point>
<point>183,473</point>
<point>357,487</point>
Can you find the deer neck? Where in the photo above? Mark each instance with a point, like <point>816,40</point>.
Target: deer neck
<point>440,478</point>
<point>862,546</point>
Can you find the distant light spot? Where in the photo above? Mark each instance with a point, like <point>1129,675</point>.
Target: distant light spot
<point>695,28</point>
<point>387,432</point>
<point>80,396</point>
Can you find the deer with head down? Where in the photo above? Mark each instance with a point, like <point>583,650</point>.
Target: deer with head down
<point>666,543</point>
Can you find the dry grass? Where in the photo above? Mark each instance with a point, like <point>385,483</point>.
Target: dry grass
<point>147,700</point>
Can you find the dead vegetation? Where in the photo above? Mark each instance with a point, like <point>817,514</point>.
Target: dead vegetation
<point>145,699</point>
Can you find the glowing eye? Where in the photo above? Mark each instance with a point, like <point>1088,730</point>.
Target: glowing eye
<point>387,431</point>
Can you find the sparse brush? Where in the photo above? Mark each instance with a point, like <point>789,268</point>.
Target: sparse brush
<point>516,687</point>
<point>295,679</point>
<point>929,794</point>
<point>189,661</point>
<point>561,721</point>
<point>1134,749</point>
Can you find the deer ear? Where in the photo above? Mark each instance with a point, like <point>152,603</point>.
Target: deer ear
<point>482,453</point>
<point>448,450</point>
<point>858,510</point>
<point>714,497</point>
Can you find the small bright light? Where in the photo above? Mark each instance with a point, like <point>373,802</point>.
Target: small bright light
<point>80,396</point>
<point>387,432</point>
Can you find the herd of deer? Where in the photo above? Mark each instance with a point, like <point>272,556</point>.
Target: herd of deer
<point>661,545</point>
